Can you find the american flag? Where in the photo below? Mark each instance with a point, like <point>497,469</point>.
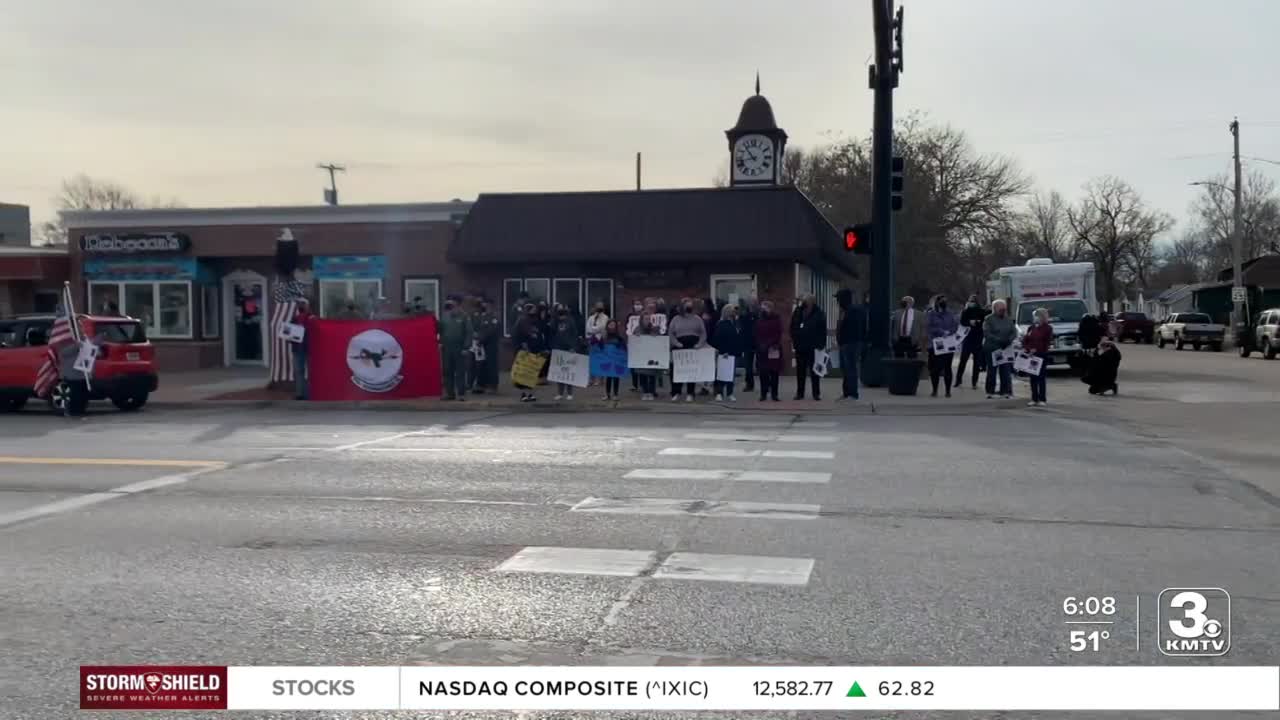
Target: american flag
<point>63,333</point>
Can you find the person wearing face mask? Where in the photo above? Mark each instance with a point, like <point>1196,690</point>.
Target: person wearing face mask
<point>597,321</point>
<point>633,319</point>
<point>565,337</point>
<point>747,315</point>
<point>851,333</point>
<point>998,333</point>
<point>456,335</point>
<point>971,317</point>
<point>527,335</point>
<point>768,347</point>
<point>687,332</point>
<point>909,334</point>
<point>808,335</point>
<point>940,323</point>
<point>1038,341</point>
<point>487,330</point>
<point>650,322</point>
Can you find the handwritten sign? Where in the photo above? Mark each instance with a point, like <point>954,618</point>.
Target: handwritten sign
<point>649,352</point>
<point>725,368</point>
<point>569,368</point>
<point>608,361</point>
<point>1028,363</point>
<point>525,369</point>
<point>291,332</point>
<point>693,366</point>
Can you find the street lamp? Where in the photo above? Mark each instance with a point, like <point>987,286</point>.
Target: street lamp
<point>1237,281</point>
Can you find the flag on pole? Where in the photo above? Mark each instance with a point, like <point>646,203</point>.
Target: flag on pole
<point>65,332</point>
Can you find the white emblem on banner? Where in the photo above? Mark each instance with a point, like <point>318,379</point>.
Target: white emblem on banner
<point>375,358</point>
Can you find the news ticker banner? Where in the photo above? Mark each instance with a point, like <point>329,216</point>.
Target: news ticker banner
<point>150,687</point>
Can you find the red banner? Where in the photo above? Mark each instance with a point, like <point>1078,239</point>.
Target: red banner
<point>153,687</point>
<point>373,359</point>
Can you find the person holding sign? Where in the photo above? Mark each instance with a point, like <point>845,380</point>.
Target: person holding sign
<point>998,332</point>
<point>941,323</point>
<point>768,347</point>
<point>808,337</point>
<point>688,332</point>
<point>1038,341</point>
<point>971,318</point>
<point>650,323</point>
<point>727,341</point>
<point>566,338</point>
<point>302,318</point>
<point>613,338</point>
<point>527,337</point>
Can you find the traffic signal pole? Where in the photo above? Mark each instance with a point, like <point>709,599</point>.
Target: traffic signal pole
<point>884,77</point>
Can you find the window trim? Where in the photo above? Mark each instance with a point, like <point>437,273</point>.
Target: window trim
<point>351,292</point>
<point>153,332</point>
<point>749,277</point>
<point>555,298</point>
<point>406,298</point>
<point>611,300</point>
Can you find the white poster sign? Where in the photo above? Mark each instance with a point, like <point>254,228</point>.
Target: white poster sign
<point>291,332</point>
<point>569,368</point>
<point>692,366</point>
<point>1002,357</point>
<point>649,352</point>
<point>961,334</point>
<point>945,345</point>
<point>86,357</point>
<point>1027,363</point>
<point>725,368</point>
<point>821,363</point>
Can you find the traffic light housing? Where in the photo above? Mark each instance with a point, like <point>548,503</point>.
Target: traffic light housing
<point>857,239</point>
<point>895,182</point>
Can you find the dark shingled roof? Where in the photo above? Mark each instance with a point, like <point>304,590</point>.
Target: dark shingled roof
<point>777,223</point>
<point>756,114</point>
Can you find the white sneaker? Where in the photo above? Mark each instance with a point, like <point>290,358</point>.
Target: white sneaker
<point>733,398</point>
<point>719,397</point>
<point>569,397</point>
<point>1033,403</point>
<point>558,398</point>
<point>675,398</point>
<point>688,398</point>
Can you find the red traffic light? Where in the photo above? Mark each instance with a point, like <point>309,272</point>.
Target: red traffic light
<point>857,239</point>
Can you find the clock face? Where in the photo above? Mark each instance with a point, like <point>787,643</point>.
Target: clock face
<point>753,158</point>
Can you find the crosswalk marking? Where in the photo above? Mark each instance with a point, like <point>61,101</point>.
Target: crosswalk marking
<point>813,425</point>
<point>801,454</point>
<point>736,568</point>
<point>732,437</point>
<point>579,561</point>
<point>779,424</point>
<point>782,476</point>
<point>798,438</point>
<point>754,569</point>
<point>698,508</point>
<point>710,452</point>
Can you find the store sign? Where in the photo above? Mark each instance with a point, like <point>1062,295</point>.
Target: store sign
<point>141,269</point>
<point>135,243</point>
<point>350,267</point>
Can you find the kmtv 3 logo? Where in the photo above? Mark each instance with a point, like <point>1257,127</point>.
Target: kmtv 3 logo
<point>1194,622</point>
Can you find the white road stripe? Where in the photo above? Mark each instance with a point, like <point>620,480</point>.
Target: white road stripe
<point>736,568</point>
<point>698,508</point>
<point>814,425</point>
<point>579,561</point>
<point>796,438</point>
<point>782,476</point>
<point>83,501</point>
<point>801,454</point>
<point>728,437</point>
<point>710,452</point>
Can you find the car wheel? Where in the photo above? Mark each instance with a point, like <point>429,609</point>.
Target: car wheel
<point>1243,350</point>
<point>129,403</point>
<point>1195,346</point>
<point>1177,343</point>
<point>1268,350</point>
<point>68,398</point>
<point>13,404</point>
<point>1216,347</point>
<point>1160,342</point>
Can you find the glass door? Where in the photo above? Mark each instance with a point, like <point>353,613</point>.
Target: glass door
<point>248,314</point>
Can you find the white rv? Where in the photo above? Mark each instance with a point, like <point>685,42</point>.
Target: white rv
<point>1068,291</point>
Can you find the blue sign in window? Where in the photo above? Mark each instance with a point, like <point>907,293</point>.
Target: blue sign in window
<point>350,267</point>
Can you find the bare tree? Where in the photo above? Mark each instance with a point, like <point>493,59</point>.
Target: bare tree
<point>1183,261</point>
<point>85,193</point>
<point>1043,230</point>
<point>1116,230</point>
<point>1260,213</point>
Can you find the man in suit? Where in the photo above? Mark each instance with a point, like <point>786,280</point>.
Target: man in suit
<point>909,332</point>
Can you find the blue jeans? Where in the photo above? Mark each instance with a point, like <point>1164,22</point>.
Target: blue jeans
<point>850,358</point>
<point>300,373</point>
<point>1006,376</point>
<point>1040,383</point>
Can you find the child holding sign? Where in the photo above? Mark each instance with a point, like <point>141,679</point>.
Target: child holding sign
<point>614,339</point>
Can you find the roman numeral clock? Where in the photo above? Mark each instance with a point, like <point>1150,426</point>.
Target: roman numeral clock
<point>756,144</point>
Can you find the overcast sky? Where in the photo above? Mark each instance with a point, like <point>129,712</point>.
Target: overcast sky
<point>233,102</point>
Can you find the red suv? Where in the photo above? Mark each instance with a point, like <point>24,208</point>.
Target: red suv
<point>124,372</point>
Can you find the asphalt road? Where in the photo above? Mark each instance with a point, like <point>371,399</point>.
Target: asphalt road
<point>275,537</point>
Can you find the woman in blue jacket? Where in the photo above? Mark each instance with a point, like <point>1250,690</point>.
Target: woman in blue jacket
<point>728,342</point>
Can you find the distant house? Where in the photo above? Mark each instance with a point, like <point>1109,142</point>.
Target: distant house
<point>1261,278</point>
<point>1174,300</point>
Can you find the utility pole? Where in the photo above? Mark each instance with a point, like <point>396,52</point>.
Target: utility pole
<point>883,78</point>
<point>637,171</point>
<point>331,195</point>
<point>1237,233</point>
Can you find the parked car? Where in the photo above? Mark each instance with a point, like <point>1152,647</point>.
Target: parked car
<point>1191,328</point>
<point>1135,326</point>
<point>124,372</point>
<point>1262,335</point>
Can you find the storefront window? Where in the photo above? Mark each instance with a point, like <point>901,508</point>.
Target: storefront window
<point>336,294</point>
<point>164,308</point>
<point>422,291</point>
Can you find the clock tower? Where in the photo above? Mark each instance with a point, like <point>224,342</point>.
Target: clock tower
<point>756,144</point>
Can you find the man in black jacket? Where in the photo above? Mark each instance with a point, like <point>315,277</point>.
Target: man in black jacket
<point>747,326</point>
<point>971,317</point>
<point>808,335</point>
<point>851,332</point>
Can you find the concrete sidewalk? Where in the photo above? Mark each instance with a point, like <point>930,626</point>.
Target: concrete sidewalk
<point>246,387</point>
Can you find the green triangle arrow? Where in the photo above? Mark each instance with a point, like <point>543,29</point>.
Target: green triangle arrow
<point>856,690</point>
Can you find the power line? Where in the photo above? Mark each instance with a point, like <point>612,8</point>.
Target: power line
<point>331,195</point>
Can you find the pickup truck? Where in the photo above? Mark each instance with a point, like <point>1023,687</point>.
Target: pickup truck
<point>1195,329</point>
<point>1135,326</point>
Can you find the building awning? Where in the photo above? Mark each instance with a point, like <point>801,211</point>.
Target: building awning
<point>648,226</point>
<point>32,263</point>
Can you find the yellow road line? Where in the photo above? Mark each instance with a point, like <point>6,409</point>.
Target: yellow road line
<point>13,460</point>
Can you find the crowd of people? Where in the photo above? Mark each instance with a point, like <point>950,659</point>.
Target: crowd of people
<point>752,334</point>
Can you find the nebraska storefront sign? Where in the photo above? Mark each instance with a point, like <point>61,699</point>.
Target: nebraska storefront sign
<point>132,243</point>
<point>373,359</point>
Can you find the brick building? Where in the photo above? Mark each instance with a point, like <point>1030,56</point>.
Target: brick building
<point>201,279</point>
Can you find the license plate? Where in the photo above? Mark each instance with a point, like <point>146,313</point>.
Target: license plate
<point>133,356</point>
